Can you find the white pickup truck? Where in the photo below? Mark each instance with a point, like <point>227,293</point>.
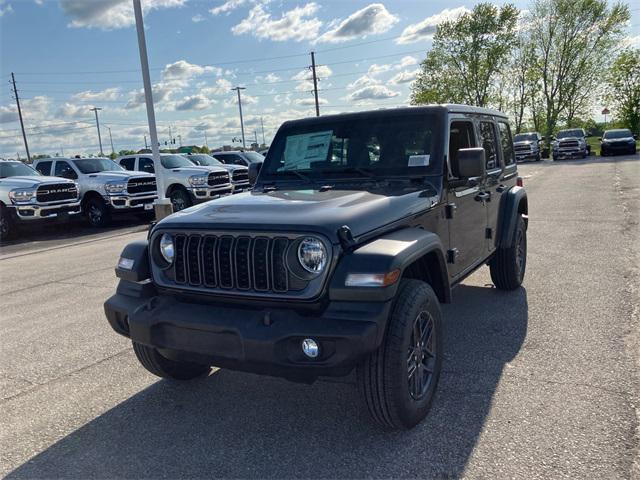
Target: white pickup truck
<point>105,187</point>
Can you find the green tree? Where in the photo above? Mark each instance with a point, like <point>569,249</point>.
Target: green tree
<point>623,88</point>
<point>572,41</point>
<point>467,54</point>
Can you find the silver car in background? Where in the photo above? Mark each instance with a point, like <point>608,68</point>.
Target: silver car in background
<point>239,174</point>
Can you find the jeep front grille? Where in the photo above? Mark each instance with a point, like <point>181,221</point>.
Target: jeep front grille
<point>232,262</point>
<point>141,185</point>
<point>218,179</point>
<point>56,192</point>
<point>241,176</point>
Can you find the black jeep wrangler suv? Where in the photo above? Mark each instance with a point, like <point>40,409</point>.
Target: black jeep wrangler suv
<point>358,227</point>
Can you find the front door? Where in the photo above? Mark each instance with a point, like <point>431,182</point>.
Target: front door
<point>466,208</point>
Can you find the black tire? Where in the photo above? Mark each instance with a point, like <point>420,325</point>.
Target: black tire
<point>383,377</point>
<point>180,199</point>
<point>538,157</point>
<point>7,226</point>
<point>97,212</point>
<point>603,153</point>
<point>161,366</point>
<point>509,264</point>
<point>555,159</point>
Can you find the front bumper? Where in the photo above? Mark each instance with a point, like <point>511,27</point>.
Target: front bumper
<point>34,212</point>
<point>241,187</point>
<point>131,202</point>
<point>254,339</point>
<point>203,194</point>
<point>573,153</point>
<point>621,148</point>
<point>526,156</point>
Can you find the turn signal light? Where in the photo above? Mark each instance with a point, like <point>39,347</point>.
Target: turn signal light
<point>372,279</point>
<point>519,182</point>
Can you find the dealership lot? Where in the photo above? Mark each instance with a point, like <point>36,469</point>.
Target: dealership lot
<point>539,382</point>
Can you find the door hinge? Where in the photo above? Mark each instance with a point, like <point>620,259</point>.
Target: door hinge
<point>449,209</point>
<point>488,233</point>
<point>452,255</point>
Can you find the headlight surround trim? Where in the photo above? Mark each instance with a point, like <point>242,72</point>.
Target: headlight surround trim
<point>22,195</point>
<point>312,255</point>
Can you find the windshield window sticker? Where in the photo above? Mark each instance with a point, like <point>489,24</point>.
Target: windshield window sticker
<point>301,150</point>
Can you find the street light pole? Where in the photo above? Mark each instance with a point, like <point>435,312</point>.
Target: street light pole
<point>95,110</point>
<point>163,206</point>
<point>262,123</point>
<point>237,89</point>
<point>111,140</point>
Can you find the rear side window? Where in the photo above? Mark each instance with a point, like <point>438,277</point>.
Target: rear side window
<point>507,146</point>
<point>489,143</point>
<point>128,163</point>
<point>146,165</point>
<point>44,167</point>
<point>231,159</point>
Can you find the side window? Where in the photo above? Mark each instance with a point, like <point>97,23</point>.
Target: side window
<point>508,154</point>
<point>461,136</point>
<point>146,165</point>
<point>63,169</point>
<point>221,158</point>
<point>128,163</point>
<point>489,143</point>
<point>44,167</point>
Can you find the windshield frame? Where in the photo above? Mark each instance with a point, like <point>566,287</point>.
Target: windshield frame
<point>33,173</point>
<point>369,122</point>
<point>77,163</point>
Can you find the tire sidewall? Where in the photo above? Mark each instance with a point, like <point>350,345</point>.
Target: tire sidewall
<point>100,205</point>
<point>6,224</point>
<point>184,196</point>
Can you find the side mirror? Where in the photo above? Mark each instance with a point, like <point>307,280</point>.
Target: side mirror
<point>254,170</point>
<point>469,163</point>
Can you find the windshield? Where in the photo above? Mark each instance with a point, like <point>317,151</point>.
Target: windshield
<point>174,161</point>
<point>15,169</point>
<point>254,157</point>
<point>617,134</point>
<point>570,133</point>
<point>95,165</point>
<point>524,137</point>
<point>205,160</point>
<point>369,146</point>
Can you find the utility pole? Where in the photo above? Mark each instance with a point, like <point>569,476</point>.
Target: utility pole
<point>255,135</point>
<point>262,123</point>
<point>111,140</point>
<point>170,136</point>
<point>95,110</point>
<point>237,89</point>
<point>180,140</point>
<point>206,144</point>
<point>315,82</point>
<point>146,146</point>
<point>24,135</point>
<point>163,207</point>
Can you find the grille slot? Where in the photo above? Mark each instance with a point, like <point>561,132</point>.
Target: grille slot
<point>141,185</point>
<point>229,262</point>
<point>56,193</point>
<point>240,175</point>
<point>218,178</point>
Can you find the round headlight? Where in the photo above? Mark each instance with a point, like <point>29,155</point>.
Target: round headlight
<point>312,255</point>
<point>166,248</point>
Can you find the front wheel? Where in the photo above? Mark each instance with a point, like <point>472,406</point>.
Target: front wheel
<point>97,212</point>
<point>509,263</point>
<point>7,226</point>
<point>180,200</point>
<point>398,381</point>
<point>163,367</point>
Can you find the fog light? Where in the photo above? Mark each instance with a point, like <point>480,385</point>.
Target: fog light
<point>310,348</point>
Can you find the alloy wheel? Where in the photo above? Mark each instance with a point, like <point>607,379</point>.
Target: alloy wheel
<point>421,358</point>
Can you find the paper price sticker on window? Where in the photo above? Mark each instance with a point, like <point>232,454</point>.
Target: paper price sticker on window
<point>419,160</point>
<point>301,150</point>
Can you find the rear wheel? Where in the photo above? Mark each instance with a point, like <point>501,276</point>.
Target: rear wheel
<point>508,265</point>
<point>180,199</point>
<point>97,212</point>
<point>161,366</point>
<point>397,382</point>
<point>7,226</point>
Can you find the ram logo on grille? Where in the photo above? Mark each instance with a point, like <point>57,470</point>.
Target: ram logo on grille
<point>141,185</point>
<point>218,178</point>
<point>56,193</point>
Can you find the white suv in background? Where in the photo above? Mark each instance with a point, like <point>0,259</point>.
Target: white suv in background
<point>105,187</point>
<point>186,183</point>
<point>239,174</point>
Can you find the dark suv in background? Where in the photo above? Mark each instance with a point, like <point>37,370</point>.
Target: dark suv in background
<point>618,141</point>
<point>358,227</point>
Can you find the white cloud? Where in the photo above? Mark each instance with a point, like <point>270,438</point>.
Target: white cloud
<point>197,18</point>
<point>372,92</point>
<point>269,78</point>
<point>161,93</point>
<point>370,20</point>
<point>405,76</point>
<point>405,61</point>
<point>90,96</point>
<point>221,87</point>
<point>8,113</point>
<point>195,102</point>
<point>5,8</point>
<point>109,14</point>
<point>71,110</point>
<point>228,6</point>
<point>425,29</point>
<point>305,78</point>
<point>363,81</point>
<point>311,101</point>
<point>632,42</point>
<point>297,24</point>
<point>183,70</point>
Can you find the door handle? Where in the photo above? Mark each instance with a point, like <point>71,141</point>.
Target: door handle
<point>483,197</point>
<point>500,188</point>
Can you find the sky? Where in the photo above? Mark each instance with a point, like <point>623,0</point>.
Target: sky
<point>71,55</point>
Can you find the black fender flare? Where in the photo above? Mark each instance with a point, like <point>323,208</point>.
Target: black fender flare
<point>513,204</point>
<point>395,250</point>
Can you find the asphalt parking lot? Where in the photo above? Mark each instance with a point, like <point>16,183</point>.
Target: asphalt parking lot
<point>537,383</point>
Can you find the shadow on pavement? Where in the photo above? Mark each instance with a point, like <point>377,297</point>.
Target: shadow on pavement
<point>234,425</point>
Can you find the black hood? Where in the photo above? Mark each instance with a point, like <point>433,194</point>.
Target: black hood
<point>306,210</point>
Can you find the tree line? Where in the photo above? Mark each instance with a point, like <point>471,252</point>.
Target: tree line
<point>548,67</point>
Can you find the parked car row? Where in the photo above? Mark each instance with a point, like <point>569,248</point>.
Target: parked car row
<point>58,188</point>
